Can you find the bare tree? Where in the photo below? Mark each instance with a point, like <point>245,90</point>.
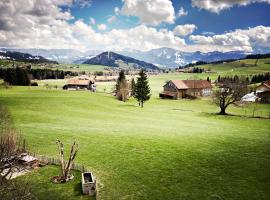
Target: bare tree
<point>123,90</point>
<point>229,92</point>
<point>66,166</point>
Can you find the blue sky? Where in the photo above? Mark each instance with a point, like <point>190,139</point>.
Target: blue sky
<point>202,25</point>
<point>237,17</point>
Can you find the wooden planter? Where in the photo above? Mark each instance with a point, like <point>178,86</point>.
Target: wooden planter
<point>88,184</point>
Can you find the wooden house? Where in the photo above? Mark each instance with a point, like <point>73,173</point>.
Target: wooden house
<point>263,92</point>
<point>176,89</point>
<point>80,83</point>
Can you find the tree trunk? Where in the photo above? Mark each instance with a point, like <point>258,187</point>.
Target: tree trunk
<point>222,111</point>
<point>142,104</point>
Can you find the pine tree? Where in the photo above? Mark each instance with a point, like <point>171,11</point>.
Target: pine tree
<point>133,87</point>
<point>142,89</point>
<point>120,79</point>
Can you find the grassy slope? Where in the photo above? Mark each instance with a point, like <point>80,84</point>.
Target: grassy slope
<point>82,67</point>
<point>168,150</point>
<point>242,67</point>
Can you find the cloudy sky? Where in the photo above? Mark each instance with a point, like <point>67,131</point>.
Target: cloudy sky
<point>186,25</point>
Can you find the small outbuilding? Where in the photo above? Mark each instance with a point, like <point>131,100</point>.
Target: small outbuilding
<point>88,184</point>
<point>176,89</point>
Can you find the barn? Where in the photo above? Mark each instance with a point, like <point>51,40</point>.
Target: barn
<point>177,89</point>
<point>80,83</point>
<point>263,91</point>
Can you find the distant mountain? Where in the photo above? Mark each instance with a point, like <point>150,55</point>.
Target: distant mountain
<point>59,55</point>
<point>23,57</point>
<point>117,60</point>
<point>168,57</point>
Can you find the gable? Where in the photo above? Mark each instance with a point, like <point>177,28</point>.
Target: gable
<point>170,84</point>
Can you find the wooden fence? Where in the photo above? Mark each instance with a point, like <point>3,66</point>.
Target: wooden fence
<point>56,161</point>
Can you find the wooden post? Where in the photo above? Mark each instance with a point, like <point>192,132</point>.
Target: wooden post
<point>61,156</point>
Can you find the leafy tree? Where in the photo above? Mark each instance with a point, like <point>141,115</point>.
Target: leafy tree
<point>133,87</point>
<point>142,89</point>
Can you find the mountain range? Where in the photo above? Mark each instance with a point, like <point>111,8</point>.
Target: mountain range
<point>24,57</point>
<point>113,59</point>
<point>162,57</point>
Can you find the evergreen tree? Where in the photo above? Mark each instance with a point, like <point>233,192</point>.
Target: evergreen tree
<point>11,77</point>
<point>120,79</point>
<point>142,89</point>
<point>133,87</point>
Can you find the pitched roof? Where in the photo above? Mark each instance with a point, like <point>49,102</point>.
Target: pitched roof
<point>267,84</point>
<point>80,81</point>
<point>191,84</point>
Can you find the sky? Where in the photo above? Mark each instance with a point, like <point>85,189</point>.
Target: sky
<point>185,25</point>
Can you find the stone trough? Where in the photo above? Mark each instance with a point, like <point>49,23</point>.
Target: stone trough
<point>88,184</point>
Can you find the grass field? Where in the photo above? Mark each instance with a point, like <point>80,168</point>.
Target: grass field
<point>170,149</point>
<point>167,150</point>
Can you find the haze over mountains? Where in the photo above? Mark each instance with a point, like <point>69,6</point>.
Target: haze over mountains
<point>162,57</point>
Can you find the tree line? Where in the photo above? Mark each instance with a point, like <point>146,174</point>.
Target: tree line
<point>257,78</point>
<point>22,76</point>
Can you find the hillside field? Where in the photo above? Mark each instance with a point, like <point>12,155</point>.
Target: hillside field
<point>170,149</point>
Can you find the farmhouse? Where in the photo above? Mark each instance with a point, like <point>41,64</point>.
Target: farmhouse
<point>80,83</point>
<point>176,89</point>
<point>263,91</point>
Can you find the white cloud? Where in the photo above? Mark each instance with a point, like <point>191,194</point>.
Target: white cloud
<point>82,3</point>
<point>26,24</point>
<point>218,5</point>
<point>182,12</point>
<point>184,30</point>
<point>241,39</point>
<point>112,19</point>
<point>116,11</point>
<point>144,38</point>
<point>151,12</point>
<point>102,27</point>
<point>92,21</point>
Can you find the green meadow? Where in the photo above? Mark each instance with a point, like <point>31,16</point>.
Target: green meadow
<point>170,149</point>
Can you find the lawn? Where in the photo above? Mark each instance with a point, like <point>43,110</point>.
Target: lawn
<point>42,187</point>
<point>170,149</point>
